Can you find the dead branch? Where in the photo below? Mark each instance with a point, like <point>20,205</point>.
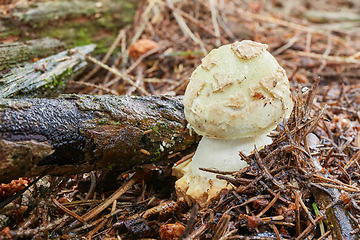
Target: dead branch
<point>74,134</point>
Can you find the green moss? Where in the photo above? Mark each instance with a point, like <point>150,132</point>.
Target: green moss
<point>58,80</point>
<point>12,32</point>
<point>157,154</point>
<point>155,129</point>
<point>111,166</point>
<point>103,121</point>
<point>101,31</point>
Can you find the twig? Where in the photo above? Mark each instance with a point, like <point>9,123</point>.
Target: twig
<point>94,212</point>
<point>117,73</point>
<point>246,14</point>
<point>340,187</point>
<point>68,211</point>
<point>184,159</point>
<point>325,54</point>
<point>222,226</point>
<point>297,212</point>
<point>143,56</point>
<point>87,84</point>
<point>97,221</point>
<point>336,181</point>
<point>198,232</point>
<point>243,189</point>
<point>201,25</point>
<point>248,201</point>
<point>214,21</point>
<point>309,228</point>
<point>92,185</point>
<point>107,56</point>
<point>337,59</point>
<point>97,228</point>
<point>324,235</point>
<point>308,213</point>
<point>269,205</point>
<point>276,231</point>
<point>145,20</point>
<point>274,194</point>
<point>266,171</point>
<point>191,221</point>
<point>314,123</point>
<point>184,28</point>
<point>291,42</point>
<point>352,160</point>
<point>311,97</point>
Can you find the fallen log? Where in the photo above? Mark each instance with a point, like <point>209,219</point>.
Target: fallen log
<point>46,77</point>
<point>75,134</point>
<point>74,22</point>
<point>14,54</point>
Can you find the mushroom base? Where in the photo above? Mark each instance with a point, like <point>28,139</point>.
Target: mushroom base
<point>200,186</point>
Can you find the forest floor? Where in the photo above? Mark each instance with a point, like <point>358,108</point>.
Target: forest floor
<point>315,155</point>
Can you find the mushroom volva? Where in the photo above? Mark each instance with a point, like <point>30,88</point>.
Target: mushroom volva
<point>234,99</point>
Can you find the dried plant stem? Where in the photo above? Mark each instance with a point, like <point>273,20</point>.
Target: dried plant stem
<point>198,232</point>
<point>214,21</point>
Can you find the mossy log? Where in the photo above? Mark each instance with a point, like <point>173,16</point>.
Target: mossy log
<point>336,216</point>
<point>44,78</point>
<point>75,134</point>
<point>74,22</point>
<point>15,53</point>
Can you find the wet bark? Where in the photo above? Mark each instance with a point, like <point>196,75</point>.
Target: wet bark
<point>74,134</point>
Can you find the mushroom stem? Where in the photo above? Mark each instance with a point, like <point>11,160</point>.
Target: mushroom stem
<point>220,154</point>
<point>223,154</point>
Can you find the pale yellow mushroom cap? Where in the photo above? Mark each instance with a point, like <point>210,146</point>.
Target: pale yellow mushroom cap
<point>238,91</point>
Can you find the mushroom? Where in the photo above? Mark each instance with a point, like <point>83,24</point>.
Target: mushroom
<point>234,99</point>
